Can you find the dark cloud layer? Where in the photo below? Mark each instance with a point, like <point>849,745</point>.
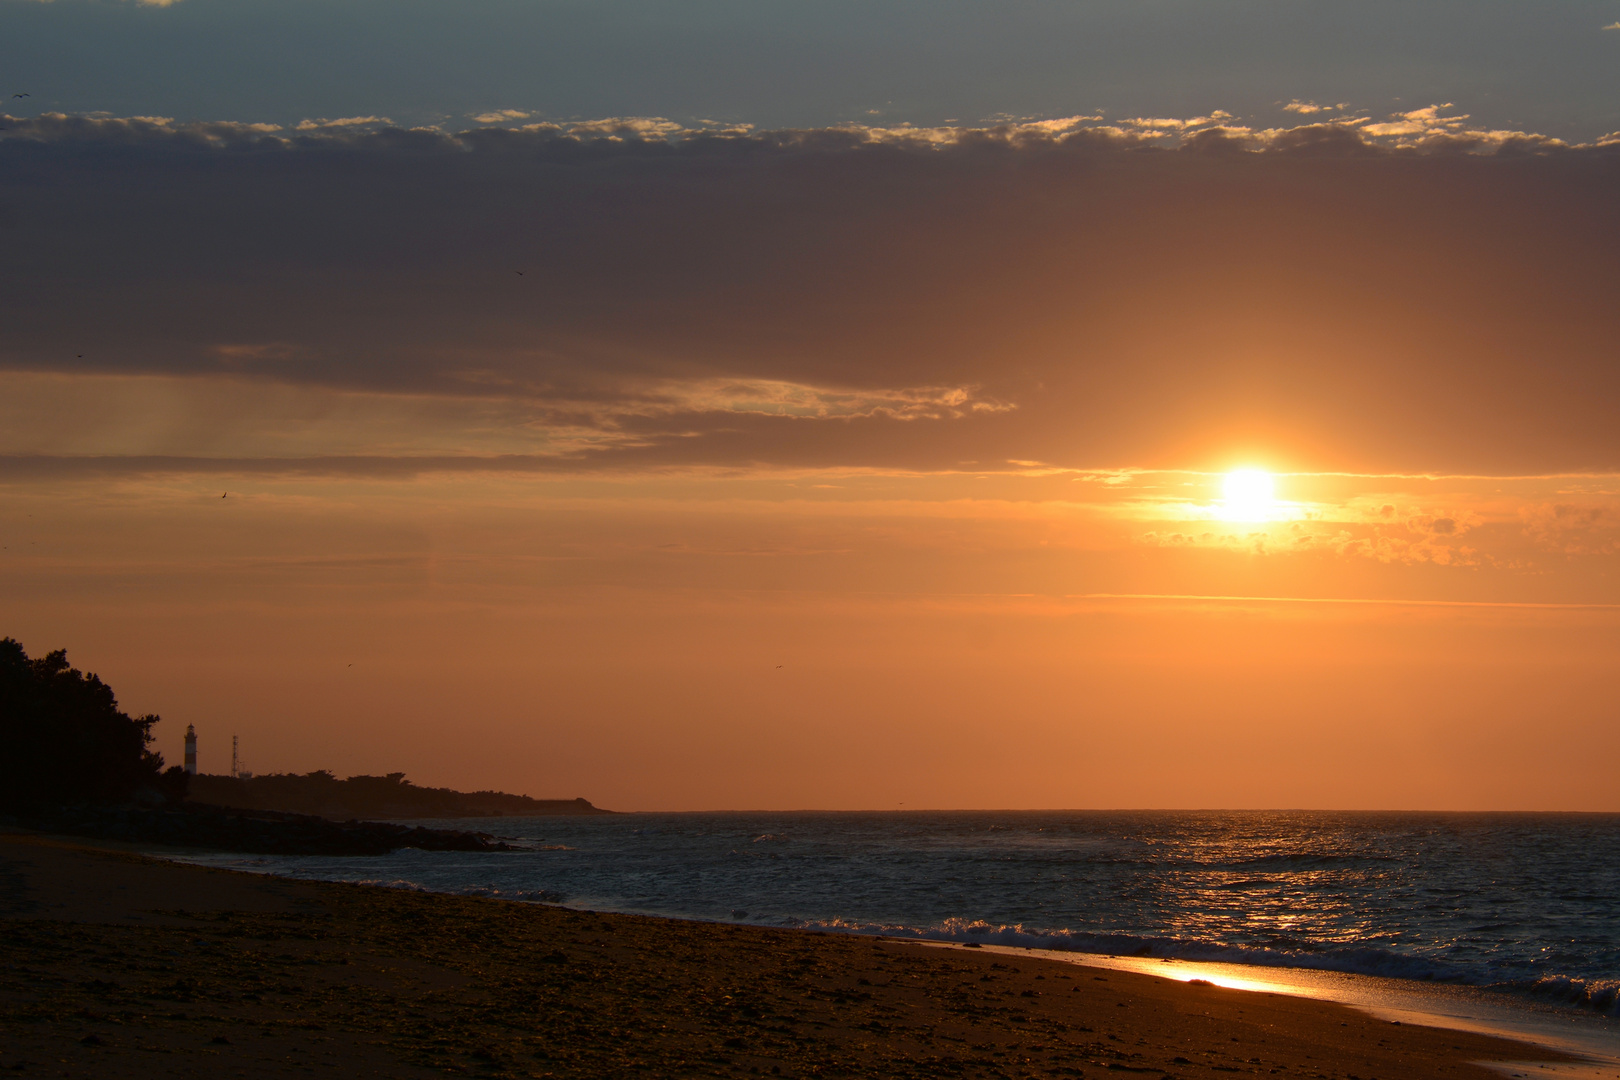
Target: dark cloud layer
<point>1083,298</point>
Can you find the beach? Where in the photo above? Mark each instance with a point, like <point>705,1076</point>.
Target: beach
<point>115,965</point>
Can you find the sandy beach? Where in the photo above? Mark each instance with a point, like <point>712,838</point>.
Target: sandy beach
<point>118,965</point>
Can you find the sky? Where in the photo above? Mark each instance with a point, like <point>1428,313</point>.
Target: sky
<point>807,405</point>
<point>1548,67</point>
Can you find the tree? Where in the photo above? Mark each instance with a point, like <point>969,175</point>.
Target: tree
<point>64,740</point>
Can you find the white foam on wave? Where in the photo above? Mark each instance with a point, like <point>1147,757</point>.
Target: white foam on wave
<point>1593,1039</point>
<point>391,883</point>
<point>533,896</point>
<point>1597,995</point>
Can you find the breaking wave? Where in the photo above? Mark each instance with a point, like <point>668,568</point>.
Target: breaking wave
<point>1599,995</point>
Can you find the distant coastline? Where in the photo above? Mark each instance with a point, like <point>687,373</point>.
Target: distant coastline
<point>390,797</point>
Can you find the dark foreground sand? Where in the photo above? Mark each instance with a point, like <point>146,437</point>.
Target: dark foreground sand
<point>112,965</point>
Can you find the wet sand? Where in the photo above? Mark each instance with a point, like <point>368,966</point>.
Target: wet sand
<point>114,965</point>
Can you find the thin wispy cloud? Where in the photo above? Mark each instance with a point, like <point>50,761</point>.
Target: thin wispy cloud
<point>1310,108</point>
<point>501,116</point>
<point>342,122</point>
<point>1165,124</point>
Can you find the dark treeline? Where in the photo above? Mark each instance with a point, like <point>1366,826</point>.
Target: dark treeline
<point>390,796</point>
<point>73,762</point>
<point>66,742</point>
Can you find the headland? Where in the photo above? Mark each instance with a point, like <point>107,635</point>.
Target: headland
<point>376,798</point>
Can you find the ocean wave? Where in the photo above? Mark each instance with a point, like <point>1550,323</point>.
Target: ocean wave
<point>1293,859</point>
<point>1276,862</point>
<point>392,883</point>
<point>519,844</point>
<point>533,896</point>
<point>540,896</point>
<point>1600,995</point>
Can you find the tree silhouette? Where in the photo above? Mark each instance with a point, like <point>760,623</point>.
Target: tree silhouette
<point>65,740</point>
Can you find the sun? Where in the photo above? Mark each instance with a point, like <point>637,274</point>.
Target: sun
<point>1251,495</point>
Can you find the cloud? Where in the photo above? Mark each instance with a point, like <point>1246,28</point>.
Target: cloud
<point>499,116</point>
<point>633,293</point>
<point>1613,26</point>
<point>343,122</point>
<point>1156,125</point>
<point>1426,538</point>
<point>1308,108</point>
<point>130,131</point>
<point>1427,127</point>
<point>1590,527</point>
<point>1417,122</point>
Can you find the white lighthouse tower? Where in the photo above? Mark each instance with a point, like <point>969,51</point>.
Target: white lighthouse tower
<point>191,749</point>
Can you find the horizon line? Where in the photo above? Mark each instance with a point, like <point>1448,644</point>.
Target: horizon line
<point>1218,598</point>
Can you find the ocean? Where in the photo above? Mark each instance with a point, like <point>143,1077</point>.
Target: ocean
<point>1524,908</point>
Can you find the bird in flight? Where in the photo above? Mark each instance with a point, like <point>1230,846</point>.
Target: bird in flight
<point>227,493</point>
<point>23,94</point>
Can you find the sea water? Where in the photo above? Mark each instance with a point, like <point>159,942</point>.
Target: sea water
<point>1521,908</point>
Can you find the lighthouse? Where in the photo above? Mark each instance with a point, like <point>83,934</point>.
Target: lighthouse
<point>191,749</point>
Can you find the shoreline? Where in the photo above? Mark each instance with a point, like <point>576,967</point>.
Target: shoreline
<point>1483,1008</point>
<point>123,965</point>
<point>1456,1007</point>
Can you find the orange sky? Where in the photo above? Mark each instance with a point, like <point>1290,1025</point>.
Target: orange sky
<point>942,641</point>
<point>827,474</point>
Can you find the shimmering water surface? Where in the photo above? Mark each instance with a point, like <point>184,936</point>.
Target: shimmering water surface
<point>1526,904</point>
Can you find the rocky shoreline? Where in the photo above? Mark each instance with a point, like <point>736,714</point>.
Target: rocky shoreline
<point>255,832</point>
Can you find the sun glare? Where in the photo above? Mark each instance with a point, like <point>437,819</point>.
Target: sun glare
<point>1250,495</point>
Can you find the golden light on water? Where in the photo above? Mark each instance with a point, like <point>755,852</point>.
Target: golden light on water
<point>1249,495</point>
